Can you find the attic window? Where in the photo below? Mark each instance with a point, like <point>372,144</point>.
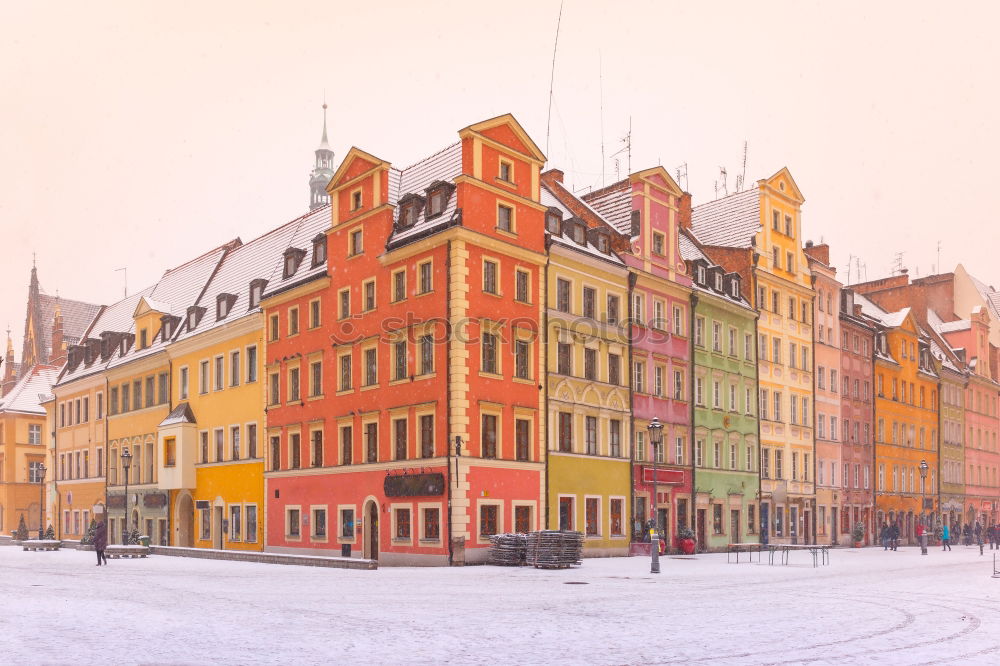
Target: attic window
<point>734,287</point>
<point>256,291</point>
<point>701,274</point>
<point>553,219</point>
<point>438,195</point>
<point>408,216</point>
<point>718,281</point>
<point>168,324</point>
<point>506,171</point>
<point>602,243</point>
<point>143,338</point>
<point>293,257</point>
<point>319,250</point>
<point>580,234</point>
<point>223,304</point>
<point>194,315</point>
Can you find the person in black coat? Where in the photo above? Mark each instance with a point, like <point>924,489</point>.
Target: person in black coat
<point>101,542</point>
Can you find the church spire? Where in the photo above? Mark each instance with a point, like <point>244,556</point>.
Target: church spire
<point>322,170</point>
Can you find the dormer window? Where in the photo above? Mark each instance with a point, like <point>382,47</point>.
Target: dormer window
<point>734,287</point>
<point>194,315</point>
<point>438,195</point>
<point>718,280</point>
<point>143,338</point>
<point>293,257</point>
<point>701,274</point>
<point>603,244</point>
<point>553,220</point>
<point>168,324</point>
<point>319,250</point>
<point>409,210</point>
<point>256,291</point>
<point>579,234</point>
<point>223,304</point>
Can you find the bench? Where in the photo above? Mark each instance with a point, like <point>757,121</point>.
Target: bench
<point>748,548</point>
<point>820,552</point>
<point>40,544</point>
<point>116,552</point>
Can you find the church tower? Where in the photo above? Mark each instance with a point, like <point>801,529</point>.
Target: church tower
<point>322,171</point>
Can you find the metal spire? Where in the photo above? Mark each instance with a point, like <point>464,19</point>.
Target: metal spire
<point>324,144</point>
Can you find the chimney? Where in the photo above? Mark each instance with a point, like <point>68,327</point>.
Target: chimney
<point>684,211</point>
<point>552,176</point>
<point>820,253</point>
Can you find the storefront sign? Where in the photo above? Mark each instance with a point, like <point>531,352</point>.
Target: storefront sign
<point>154,501</point>
<point>116,501</point>
<point>671,476</point>
<point>414,485</point>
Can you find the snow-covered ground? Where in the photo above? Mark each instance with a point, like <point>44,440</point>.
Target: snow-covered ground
<point>868,606</point>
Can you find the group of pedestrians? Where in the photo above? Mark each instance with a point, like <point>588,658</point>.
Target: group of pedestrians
<point>968,534</point>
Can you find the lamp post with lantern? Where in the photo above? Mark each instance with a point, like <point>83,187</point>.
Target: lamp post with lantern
<point>41,501</point>
<point>923,501</point>
<point>655,429</point>
<point>126,463</point>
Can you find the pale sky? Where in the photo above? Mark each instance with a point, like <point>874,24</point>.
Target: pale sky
<point>140,135</point>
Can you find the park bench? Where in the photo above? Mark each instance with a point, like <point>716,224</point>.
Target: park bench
<point>41,544</point>
<point>116,552</point>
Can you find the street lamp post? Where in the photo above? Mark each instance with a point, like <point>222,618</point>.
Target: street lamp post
<point>126,463</point>
<point>923,491</point>
<point>41,501</point>
<point>655,429</point>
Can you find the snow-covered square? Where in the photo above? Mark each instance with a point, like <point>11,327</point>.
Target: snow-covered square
<point>867,606</point>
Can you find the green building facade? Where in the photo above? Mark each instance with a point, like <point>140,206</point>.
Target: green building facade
<point>726,454</point>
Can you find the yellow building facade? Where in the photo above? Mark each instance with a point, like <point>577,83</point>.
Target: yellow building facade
<point>589,416</point>
<point>23,452</point>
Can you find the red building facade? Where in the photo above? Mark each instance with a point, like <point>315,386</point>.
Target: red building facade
<point>429,413</point>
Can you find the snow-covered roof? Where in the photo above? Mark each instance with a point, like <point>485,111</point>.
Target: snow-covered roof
<point>959,325</point>
<point>28,392</point>
<point>252,260</point>
<point>444,165</point>
<point>303,230</point>
<point>550,200</point>
<point>614,204</point>
<point>895,319</point>
<point>691,252</point>
<point>181,414</point>
<point>731,221</point>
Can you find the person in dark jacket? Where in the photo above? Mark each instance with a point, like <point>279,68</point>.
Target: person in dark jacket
<point>883,536</point>
<point>894,535</point>
<point>101,542</point>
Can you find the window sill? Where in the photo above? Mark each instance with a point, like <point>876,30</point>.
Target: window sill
<point>292,335</point>
<point>403,541</point>
<point>518,300</point>
<point>506,183</point>
<point>397,382</point>
<point>521,380</point>
<point>424,293</point>
<point>344,392</point>
<point>293,403</point>
<point>492,293</point>
<point>490,375</point>
<point>426,375</point>
<point>369,387</point>
<point>397,300</point>
<point>504,232</point>
<point>293,537</point>
<point>430,542</point>
<point>314,398</point>
<point>319,539</point>
<point>347,540</point>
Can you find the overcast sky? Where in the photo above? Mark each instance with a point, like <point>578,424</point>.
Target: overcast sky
<point>139,135</point>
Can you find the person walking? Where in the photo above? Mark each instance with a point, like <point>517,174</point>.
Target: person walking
<point>945,537</point>
<point>883,536</point>
<point>966,535</point>
<point>101,542</point>
<point>894,535</point>
<point>978,530</point>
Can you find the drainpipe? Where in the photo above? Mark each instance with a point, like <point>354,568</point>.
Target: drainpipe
<point>544,289</point>
<point>691,352</point>
<point>631,400</point>
<point>447,406</point>
<point>107,450</point>
<point>812,309</point>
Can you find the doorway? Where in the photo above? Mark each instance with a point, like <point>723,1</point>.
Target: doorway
<point>701,530</point>
<point>185,522</point>
<point>734,526</point>
<point>217,530</point>
<point>371,531</point>
<point>765,522</point>
<point>806,532</point>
